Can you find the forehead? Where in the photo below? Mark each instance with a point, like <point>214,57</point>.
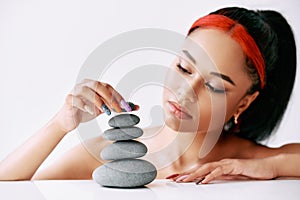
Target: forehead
<point>224,52</point>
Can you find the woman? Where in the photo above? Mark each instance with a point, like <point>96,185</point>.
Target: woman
<point>256,59</point>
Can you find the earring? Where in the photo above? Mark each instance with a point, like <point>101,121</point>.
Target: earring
<point>236,119</point>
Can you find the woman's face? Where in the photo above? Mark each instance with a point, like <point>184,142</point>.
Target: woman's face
<point>207,83</point>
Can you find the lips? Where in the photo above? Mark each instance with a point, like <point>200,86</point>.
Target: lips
<point>179,111</point>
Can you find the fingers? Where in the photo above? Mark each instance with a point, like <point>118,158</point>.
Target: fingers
<point>201,172</point>
<point>88,94</point>
<point>224,169</point>
<point>196,174</point>
<point>76,102</point>
<point>111,97</point>
<point>103,96</point>
<point>220,169</point>
<point>174,177</point>
<point>178,177</point>
<point>214,174</point>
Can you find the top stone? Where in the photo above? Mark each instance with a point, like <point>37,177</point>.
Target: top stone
<point>123,120</point>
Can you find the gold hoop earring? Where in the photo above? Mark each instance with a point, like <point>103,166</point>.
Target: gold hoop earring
<point>236,119</point>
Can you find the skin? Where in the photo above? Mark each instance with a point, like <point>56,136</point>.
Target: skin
<point>231,157</point>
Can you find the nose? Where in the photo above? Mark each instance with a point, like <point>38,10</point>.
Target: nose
<point>186,94</point>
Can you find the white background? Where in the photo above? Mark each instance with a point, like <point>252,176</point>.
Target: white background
<point>43,45</point>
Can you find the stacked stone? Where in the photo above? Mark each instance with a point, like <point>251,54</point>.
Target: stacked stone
<point>125,170</point>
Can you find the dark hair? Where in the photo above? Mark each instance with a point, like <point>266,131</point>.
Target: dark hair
<point>275,39</point>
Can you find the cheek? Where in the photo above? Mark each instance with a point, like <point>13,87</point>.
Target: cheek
<point>204,110</point>
<point>230,112</point>
<point>213,111</point>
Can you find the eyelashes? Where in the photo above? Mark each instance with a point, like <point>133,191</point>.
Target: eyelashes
<point>214,89</point>
<point>207,84</point>
<point>183,69</point>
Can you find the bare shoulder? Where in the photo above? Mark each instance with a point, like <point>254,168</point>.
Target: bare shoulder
<point>244,148</point>
<point>250,149</point>
<point>77,163</point>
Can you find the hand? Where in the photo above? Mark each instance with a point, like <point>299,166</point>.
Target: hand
<point>228,169</point>
<point>85,102</point>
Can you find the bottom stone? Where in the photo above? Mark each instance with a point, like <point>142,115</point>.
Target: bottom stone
<point>125,173</point>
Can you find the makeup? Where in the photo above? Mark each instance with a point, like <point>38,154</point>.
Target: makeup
<point>178,111</point>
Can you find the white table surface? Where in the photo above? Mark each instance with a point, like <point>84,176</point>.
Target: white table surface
<point>159,189</point>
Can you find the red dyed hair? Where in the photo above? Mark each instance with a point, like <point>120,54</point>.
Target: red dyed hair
<point>239,34</point>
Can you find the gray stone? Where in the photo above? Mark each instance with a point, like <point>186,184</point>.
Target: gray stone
<point>124,120</point>
<point>125,173</point>
<point>128,133</point>
<point>124,149</point>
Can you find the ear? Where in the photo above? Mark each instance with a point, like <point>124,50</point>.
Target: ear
<point>245,103</point>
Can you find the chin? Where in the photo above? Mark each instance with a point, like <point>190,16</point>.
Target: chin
<point>182,125</point>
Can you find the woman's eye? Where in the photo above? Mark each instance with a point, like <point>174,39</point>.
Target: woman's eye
<point>182,69</point>
<point>214,89</point>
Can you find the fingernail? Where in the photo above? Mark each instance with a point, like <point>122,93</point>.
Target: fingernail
<point>105,109</point>
<point>172,176</point>
<point>125,105</point>
<point>200,181</point>
<point>132,106</point>
<point>88,109</point>
<point>181,178</point>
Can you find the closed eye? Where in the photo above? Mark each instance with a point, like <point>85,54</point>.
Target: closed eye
<point>214,89</point>
<point>182,69</point>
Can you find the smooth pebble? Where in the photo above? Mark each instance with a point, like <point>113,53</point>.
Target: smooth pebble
<point>124,149</point>
<point>128,133</point>
<point>124,120</point>
<point>125,173</point>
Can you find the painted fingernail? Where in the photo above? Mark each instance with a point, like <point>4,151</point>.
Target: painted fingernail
<point>132,106</point>
<point>199,181</point>
<point>181,178</point>
<point>125,105</point>
<point>88,109</point>
<point>172,176</point>
<point>105,109</point>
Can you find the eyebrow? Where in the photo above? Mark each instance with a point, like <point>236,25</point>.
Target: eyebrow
<point>226,78</point>
<point>189,56</point>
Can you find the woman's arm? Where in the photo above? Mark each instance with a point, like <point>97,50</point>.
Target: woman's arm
<point>82,104</point>
<point>287,162</point>
<point>77,163</point>
<point>26,159</point>
<point>265,163</point>
<point>287,165</point>
<point>281,165</point>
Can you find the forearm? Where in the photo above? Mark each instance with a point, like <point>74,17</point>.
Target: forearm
<point>287,164</point>
<point>24,161</point>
